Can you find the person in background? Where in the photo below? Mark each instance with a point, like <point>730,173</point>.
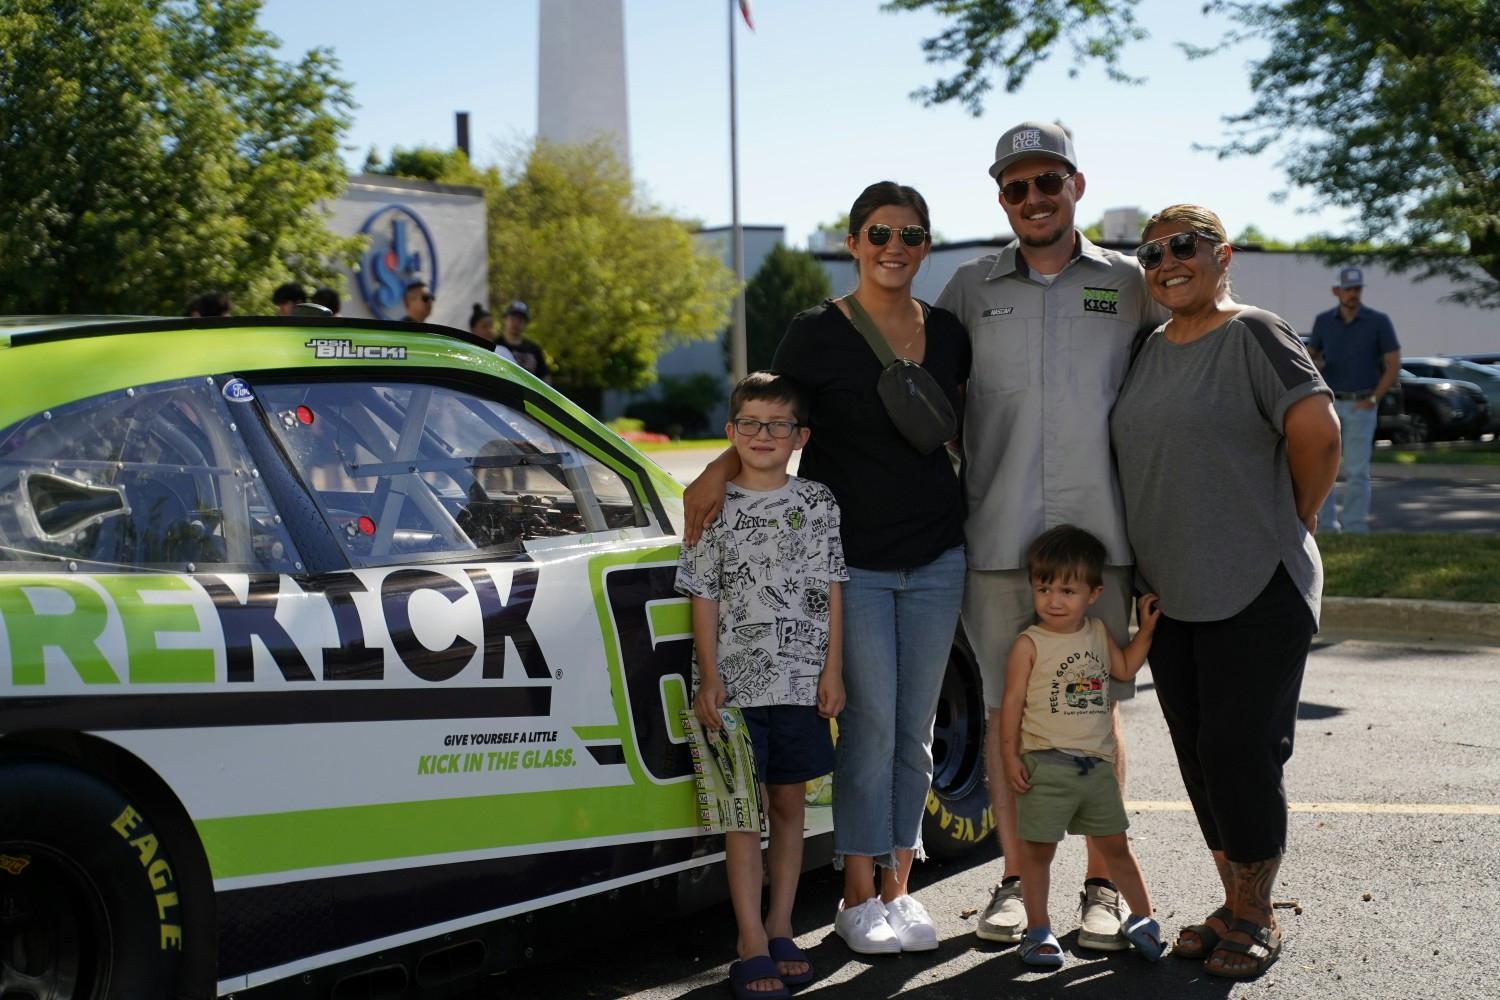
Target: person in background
<point>209,304</point>
<point>286,296</point>
<point>328,299</point>
<point>527,353</point>
<point>482,325</point>
<point>1226,444</point>
<point>1051,317</point>
<point>903,517</point>
<point>1357,350</point>
<point>418,302</point>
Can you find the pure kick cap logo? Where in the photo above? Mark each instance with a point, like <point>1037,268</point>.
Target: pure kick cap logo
<point>401,251</point>
<point>1026,138</point>
<point>1101,300</point>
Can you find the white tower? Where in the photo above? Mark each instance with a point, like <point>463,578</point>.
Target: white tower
<point>581,74</point>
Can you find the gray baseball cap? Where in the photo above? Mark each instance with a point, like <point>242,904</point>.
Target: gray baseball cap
<point>1351,277</point>
<point>1030,139</point>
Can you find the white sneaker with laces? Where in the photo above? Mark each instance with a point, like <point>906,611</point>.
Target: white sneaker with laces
<point>1004,919</point>
<point>912,924</point>
<point>865,929</point>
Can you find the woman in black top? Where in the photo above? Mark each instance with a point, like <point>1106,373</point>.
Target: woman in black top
<point>902,514</point>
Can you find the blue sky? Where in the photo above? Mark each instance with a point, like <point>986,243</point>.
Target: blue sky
<point>823,108</point>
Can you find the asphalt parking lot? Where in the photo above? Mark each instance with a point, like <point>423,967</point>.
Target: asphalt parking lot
<point>1389,884</point>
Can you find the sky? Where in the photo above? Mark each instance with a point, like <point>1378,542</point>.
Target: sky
<point>824,108</point>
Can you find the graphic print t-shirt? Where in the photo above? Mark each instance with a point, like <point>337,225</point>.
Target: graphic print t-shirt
<point>768,560</point>
<point>1067,696</point>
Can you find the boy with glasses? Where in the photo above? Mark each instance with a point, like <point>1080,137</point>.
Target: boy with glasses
<point>764,581</point>
<point>1050,318</point>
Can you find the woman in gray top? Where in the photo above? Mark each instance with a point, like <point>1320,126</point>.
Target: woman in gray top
<point>1226,444</point>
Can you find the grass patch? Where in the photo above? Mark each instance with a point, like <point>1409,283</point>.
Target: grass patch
<point>1455,453</point>
<point>717,444</point>
<point>1427,567</point>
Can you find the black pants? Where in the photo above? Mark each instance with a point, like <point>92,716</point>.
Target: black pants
<point>1229,691</point>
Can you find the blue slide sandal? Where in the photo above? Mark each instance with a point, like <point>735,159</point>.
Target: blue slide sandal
<point>742,974</point>
<point>786,950</point>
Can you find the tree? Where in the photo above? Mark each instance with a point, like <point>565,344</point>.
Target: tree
<point>423,163</point>
<point>787,282</point>
<point>611,280</point>
<point>150,149</point>
<point>1015,35</point>
<point>1388,108</point>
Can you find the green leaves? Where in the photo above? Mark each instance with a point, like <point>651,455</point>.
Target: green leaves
<point>153,150</point>
<point>1013,36</point>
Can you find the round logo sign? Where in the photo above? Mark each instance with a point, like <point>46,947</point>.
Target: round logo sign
<point>401,251</point>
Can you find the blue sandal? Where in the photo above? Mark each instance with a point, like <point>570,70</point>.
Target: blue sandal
<point>1035,939</point>
<point>786,950</point>
<point>742,974</point>
<point>1144,934</point>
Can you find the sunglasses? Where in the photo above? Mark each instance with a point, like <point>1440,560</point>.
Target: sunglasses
<point>879,235</point>
<point>1182,245</point>
<point>746,427</point>
<point>428,298</point>
<point>1049,184</point>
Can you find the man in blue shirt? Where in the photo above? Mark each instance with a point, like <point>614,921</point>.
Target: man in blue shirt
<point>1356,348</point>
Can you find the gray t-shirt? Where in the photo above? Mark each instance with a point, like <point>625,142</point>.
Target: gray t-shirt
<point>768,559</point>
<point>1201,450</point>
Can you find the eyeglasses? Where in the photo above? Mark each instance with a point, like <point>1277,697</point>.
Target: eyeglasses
<point>879,235</point>
<point>1182,245</point>
<point>429,298</point>
<point>746,427</point>
<point>1049,184</point>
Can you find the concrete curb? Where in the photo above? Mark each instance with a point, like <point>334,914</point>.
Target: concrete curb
<point>1473,473</point>
<point>1422,621</point>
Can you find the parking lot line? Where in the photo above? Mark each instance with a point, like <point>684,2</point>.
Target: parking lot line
<point>1401,808</point>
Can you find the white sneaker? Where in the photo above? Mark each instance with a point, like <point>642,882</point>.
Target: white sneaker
<point>865,929</point>
<point>1004,919</point>
<point>912,924</point>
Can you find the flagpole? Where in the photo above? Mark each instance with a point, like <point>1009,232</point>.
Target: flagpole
<point>738,359</point>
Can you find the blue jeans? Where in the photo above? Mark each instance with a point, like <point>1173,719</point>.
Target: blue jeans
<point>1357,428</point>
<point>898,629</point>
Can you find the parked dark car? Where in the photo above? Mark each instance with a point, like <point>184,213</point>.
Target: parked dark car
<point>1443,409</point>
<point>1458,369</point>
<point>1419,409</point>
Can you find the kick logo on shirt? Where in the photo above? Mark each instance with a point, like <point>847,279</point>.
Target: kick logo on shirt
<point>1101,300</point>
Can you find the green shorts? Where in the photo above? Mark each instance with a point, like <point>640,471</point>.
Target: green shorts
<point>1061,799</point>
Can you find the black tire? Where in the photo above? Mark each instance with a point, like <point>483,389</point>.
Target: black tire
<point>1420,426</point>
<point>958,817</point>
<point>89,895</point>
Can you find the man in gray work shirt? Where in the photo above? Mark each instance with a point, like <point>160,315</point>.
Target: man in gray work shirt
<point>1051,318</point>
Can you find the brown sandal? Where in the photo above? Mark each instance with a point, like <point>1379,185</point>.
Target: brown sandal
<point>1264,946</point>
<point>1208,938</point>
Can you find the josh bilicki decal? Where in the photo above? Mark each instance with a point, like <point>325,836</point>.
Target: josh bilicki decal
<point>326,349</point>
<point>1101,300</point>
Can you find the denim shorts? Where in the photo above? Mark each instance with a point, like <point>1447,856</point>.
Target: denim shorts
<point>792,743</point>
<point>1061,799</point>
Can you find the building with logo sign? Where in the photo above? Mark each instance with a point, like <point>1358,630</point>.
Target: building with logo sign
<point>418,231</point>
